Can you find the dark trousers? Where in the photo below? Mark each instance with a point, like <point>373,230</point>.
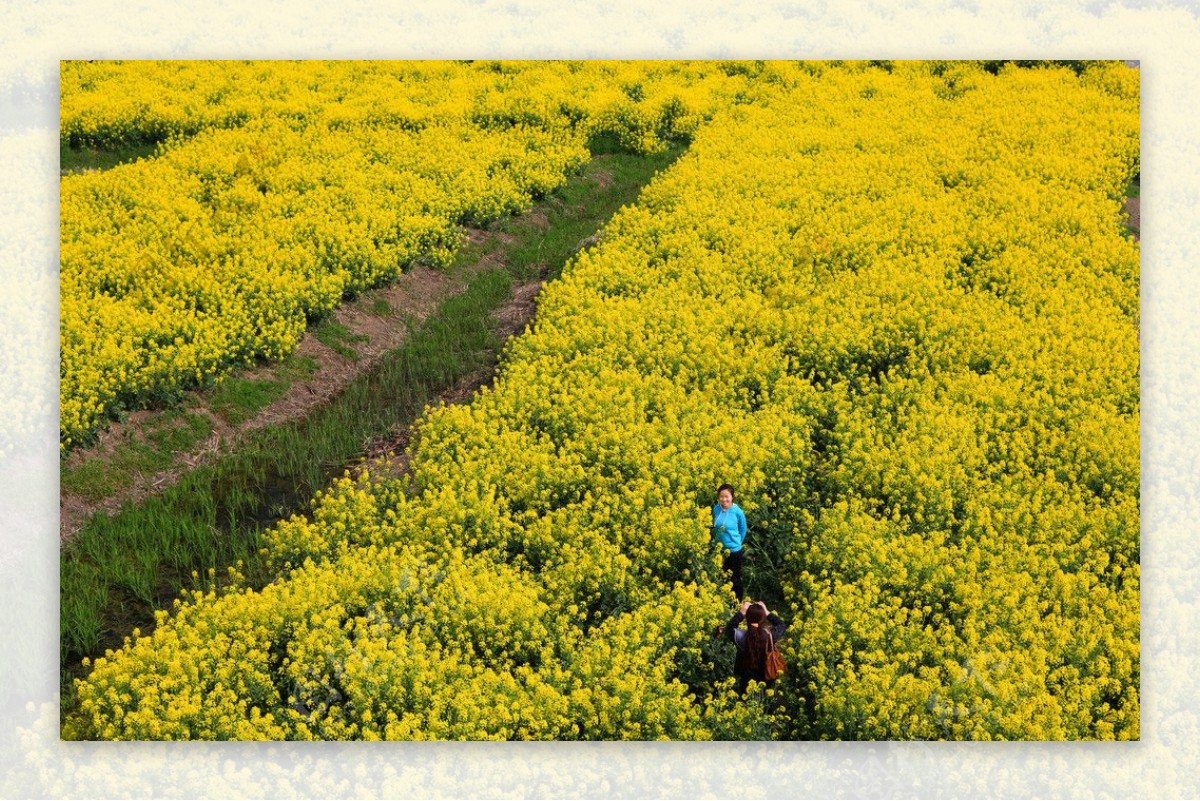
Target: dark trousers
<point>733,564</point>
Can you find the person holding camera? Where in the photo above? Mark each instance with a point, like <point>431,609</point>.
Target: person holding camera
<point>755,643</point>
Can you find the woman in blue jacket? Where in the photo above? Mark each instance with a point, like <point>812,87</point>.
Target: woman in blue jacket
<point>729,529</point>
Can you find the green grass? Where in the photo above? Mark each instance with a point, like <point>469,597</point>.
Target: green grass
<point>573,211</point>
<point>339,338</point>
<point>165,436</point>
<point>1134,187</point>
<point>175,431</point>
<point>118,569</point>
<point>89,158</point>
<point>238,399</point>
<point>1133,190</point>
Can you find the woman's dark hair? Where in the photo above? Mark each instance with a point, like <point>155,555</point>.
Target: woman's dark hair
<point>724,487</point>
<point>756,640</point>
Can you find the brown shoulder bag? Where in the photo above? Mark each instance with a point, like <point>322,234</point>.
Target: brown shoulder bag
<point>774,666</point>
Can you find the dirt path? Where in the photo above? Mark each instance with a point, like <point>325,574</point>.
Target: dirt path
<point>388,454</point>
<point>411,299</point>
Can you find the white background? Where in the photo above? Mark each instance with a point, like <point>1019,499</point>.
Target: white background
<point>34,36</point>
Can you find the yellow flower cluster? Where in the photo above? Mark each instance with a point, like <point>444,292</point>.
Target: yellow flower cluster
<point>114,103</point>
<point>219,251</point>
<point>298,184</point>
<point>895,307</point>
<point>415,638</point>
<point>972,571</point>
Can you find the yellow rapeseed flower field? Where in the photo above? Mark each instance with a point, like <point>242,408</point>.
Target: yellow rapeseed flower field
<point>280,188</point>
<point>893,303</point>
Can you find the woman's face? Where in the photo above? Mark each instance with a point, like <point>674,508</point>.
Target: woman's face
<point>725,498</point>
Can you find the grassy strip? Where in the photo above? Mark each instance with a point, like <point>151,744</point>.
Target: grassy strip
<point>239,399</point>
<point>175,431</point>
<point>574,213</point>
<point>338,338</point>
<point>82,159</point>
<point>140,558</point>
<point>118,569</point>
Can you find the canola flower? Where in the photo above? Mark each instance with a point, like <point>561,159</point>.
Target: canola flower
<point>896,301</point>
<point>219,252</point>
<point>280,188</point>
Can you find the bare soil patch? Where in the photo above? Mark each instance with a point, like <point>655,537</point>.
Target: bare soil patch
<point>1133,205</point>
<point>388,455</point>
